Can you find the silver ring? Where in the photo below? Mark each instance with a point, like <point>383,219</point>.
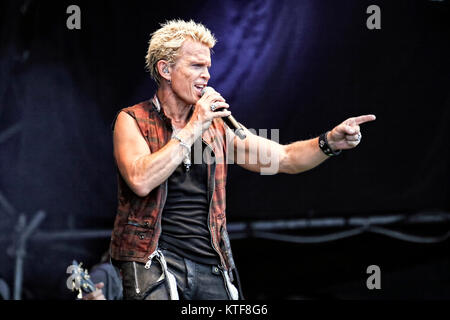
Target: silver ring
<point>359,136</point>
<point>213,107</point>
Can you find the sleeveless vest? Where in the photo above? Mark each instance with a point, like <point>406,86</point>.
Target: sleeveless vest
<point>137,225</point>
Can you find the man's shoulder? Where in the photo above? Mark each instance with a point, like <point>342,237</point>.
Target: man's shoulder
<point>142,111</point>
<point>144,106</point>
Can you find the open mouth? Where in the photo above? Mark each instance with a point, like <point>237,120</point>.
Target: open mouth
<point>199,88</point>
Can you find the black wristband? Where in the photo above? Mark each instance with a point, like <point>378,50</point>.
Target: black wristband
<point>325,147</point>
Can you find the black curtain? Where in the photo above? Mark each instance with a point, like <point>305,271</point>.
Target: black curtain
<point>300,67</point>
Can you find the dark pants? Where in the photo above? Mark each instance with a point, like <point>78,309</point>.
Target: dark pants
<point>195,281</point>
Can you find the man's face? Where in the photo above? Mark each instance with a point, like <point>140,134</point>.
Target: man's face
<point>190,73</point>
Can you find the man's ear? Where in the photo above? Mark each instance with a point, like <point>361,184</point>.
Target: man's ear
<point>164,69</point>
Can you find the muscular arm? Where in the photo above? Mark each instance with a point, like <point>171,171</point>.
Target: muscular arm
<point>141,169</point>
<point>259,154</point>
<point>302,156</point>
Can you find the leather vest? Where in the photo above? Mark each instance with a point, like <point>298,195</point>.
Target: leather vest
<point>137,225</point>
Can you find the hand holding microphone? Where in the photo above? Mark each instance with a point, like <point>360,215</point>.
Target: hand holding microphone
<point>229,120</point>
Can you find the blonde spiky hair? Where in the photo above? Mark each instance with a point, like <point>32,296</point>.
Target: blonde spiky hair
<point>165,42</point>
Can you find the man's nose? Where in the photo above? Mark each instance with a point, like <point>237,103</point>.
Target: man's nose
<point>205,74</point>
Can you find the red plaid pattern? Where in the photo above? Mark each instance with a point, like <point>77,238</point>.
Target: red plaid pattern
<point>137,226</point>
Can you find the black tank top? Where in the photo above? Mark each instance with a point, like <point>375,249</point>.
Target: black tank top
<point>184,218</point>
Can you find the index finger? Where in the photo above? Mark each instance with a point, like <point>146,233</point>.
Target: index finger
<point>210,91</point>
<point>212,96</point>
<point>365,118</point>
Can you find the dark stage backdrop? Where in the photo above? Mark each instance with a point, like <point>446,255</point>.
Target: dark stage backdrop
<point>298,66</point>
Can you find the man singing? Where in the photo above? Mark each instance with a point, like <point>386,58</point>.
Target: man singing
<point>170,239</point>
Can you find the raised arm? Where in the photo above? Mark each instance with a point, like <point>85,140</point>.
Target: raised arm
<point>259,154</point>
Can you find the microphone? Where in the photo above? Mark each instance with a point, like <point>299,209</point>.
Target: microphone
<point>231,122</point>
